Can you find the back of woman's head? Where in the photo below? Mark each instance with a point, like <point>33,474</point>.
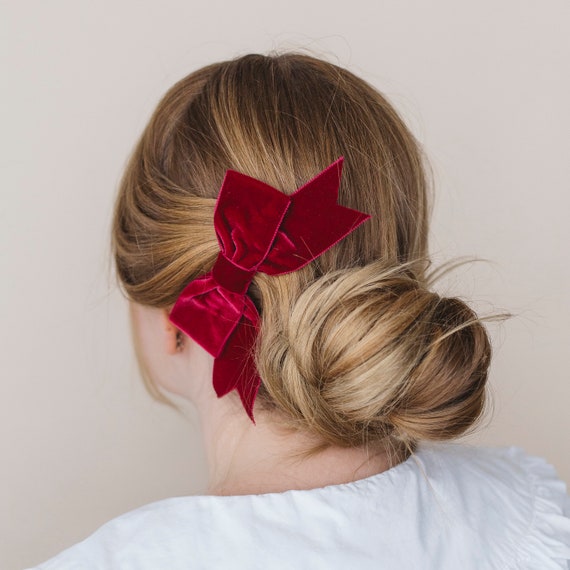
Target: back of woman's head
<point>353,347</point>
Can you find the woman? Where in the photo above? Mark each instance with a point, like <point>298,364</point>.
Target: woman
<point>270,233</point>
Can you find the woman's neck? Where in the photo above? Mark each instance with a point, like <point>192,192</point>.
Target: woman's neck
<point>248,459</point>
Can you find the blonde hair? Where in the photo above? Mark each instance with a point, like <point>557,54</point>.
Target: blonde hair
<point>354,347</point>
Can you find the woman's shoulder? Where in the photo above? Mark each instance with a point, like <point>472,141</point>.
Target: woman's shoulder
<point>447,505</point>
<point>513,500</point>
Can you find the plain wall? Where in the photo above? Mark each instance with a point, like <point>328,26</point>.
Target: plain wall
<point>483,85</point>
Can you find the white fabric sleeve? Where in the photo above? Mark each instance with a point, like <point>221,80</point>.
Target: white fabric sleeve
<point>546,544</point>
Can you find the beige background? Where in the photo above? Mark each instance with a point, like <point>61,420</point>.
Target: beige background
<point>484,85</point>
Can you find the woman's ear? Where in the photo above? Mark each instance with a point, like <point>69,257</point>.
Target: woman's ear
<point>153,329</point>
<point>171,333</point>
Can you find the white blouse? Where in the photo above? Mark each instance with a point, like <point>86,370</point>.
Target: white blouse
<point>450,506</point>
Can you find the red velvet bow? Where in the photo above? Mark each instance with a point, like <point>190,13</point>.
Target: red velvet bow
<point>259,229</point>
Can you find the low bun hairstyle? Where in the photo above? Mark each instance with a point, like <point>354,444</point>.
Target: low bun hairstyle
<point>353,348</point>
<point>368,352</point>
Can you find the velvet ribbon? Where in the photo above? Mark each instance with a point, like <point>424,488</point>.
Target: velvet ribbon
<point>258,228</point>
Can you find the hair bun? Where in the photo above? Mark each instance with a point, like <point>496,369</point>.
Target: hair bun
<point>368,352</point>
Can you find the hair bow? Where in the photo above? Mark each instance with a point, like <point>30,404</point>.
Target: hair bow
<point>258,228</point>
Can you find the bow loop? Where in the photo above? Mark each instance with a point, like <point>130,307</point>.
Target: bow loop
<point>247,216</point>
<point>208,312</point>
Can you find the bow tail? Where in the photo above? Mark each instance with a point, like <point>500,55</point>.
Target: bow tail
<point>235,367</point>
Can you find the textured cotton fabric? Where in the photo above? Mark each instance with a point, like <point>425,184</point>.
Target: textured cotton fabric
<point>449,506</point>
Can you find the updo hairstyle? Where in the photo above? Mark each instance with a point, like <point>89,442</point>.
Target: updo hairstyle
<point>354,348</point>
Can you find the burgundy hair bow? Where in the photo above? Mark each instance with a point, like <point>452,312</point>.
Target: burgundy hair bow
<point>259,229</point>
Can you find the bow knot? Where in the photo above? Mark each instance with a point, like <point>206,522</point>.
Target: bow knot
<point>231,276</point>
<point>258,229</point>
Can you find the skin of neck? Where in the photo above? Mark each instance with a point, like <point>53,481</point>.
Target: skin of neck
<point>247,458</point>
<point>243,457</point>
